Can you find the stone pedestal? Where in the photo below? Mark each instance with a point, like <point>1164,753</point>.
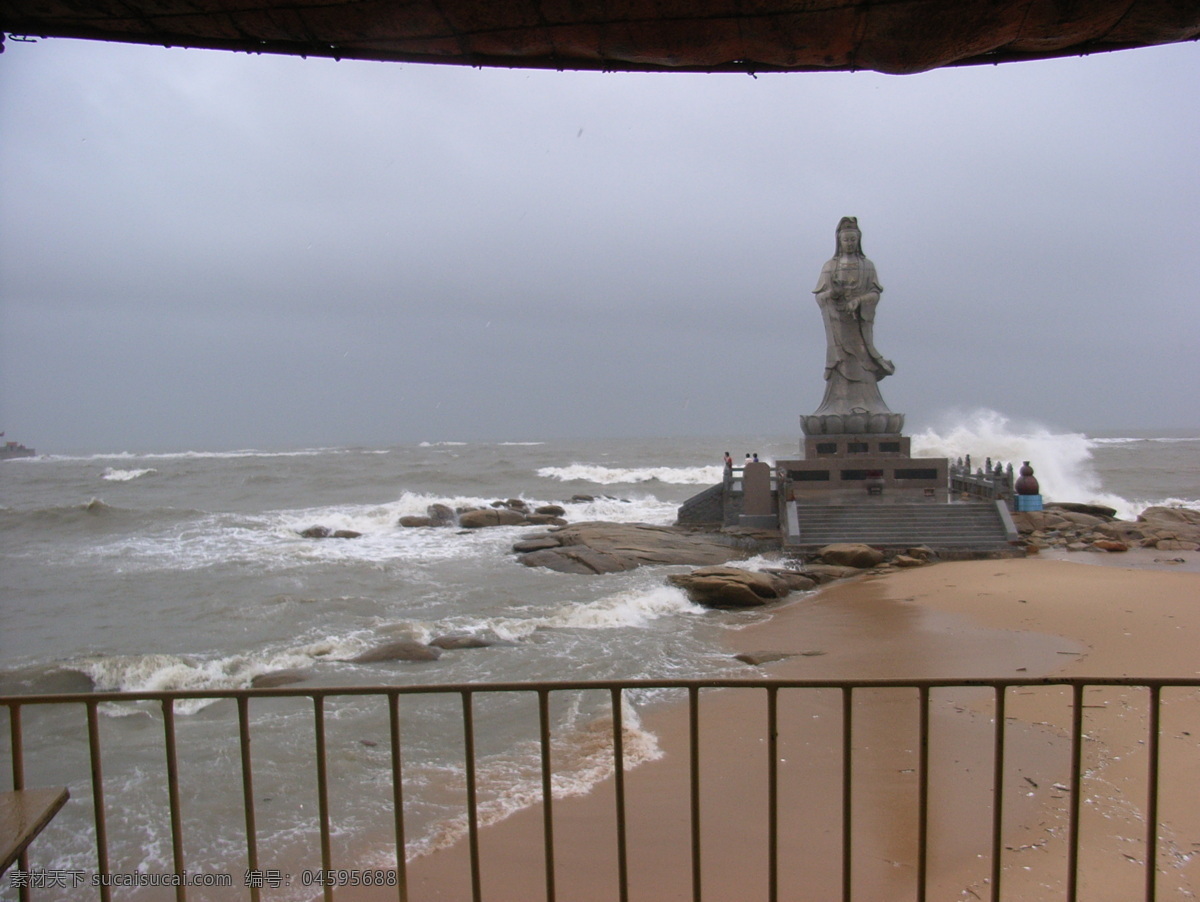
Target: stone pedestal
<point>758,505</point>
<point>867,467</point>
<point>1028,502</point>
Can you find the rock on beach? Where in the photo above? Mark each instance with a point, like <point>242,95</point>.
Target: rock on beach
<point>597,547</point>
<point>730,587</point>
<point>1080,527</point>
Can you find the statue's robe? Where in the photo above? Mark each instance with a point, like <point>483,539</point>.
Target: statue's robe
<point>852,364</point>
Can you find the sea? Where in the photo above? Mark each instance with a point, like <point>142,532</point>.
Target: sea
<point>186,570</point>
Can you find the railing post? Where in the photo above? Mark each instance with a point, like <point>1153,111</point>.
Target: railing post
<point>98,797</point>
<point>923,795</point>
<point>243,704</point>
<point>773,793</point>
<point>1076,791</point>
<point>468,703</point>
<point>547,790</point>
<point>694,757</point>
<point>18,778</point>
<point>168,710</point>
<point>398,796</point>
<point>323,793</point>
<point>619,785</point>
<point>1152,793</point>
<point>998,793</point>
<point>847,789</point>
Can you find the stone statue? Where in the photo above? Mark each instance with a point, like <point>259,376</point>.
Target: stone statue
<point>847,293</point>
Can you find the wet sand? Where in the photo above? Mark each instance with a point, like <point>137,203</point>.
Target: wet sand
<point>1018,618</point>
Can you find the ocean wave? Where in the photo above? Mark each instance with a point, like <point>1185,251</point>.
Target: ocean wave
<point>632,608</point>
<point>159,672</point>
<point>115,475</point>
<point>195,455</point>
<point>194,540</point>
<point>601,475</point>
<point>1062,461</point>
<point>95,516</point>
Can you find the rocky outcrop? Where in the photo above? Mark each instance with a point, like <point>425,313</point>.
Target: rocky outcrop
<point>491,516</point>
<point>730,587</point>
<point>273,678</point>
<point>324,532</point>
<point>510,512</point>
<point>597,547</point>
<point>848,554</point>
<point>759,658</point>
<point>1096,510</point>
<point>455,642</point>
<point>1067,526</point>
<point>398,650</point>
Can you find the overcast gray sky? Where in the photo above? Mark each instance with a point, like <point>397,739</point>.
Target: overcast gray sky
<point>203,250</point>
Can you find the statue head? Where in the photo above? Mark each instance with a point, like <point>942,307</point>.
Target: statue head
<point>849,237</point>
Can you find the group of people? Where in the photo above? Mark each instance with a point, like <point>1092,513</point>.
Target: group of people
<point>750,459</point>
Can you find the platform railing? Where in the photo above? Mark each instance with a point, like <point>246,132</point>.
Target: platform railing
<point>1000,690</point>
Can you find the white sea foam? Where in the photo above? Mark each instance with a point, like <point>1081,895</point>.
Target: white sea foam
<point>114,475</point>
<point>273,540</point>
<point>632,608</point>
<point>1062,461</point>
<point>511,782</point>
<point>201,455</point>
<point>601,475</point>
<point>167,672</point>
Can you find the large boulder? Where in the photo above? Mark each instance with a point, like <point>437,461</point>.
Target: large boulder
<point>544,520</point>
<point>596,547</point>
<point>852,554</point>
<point>795,580</point>
<point>576,559</point>
<point>440,515</point>
<point>1094,510</point>
<point>273,678</point>
<point>827,573</point>
<point>456,642</point>
<point>495,516</point>
<point>1171,516</point>
<point>730,587</point>
<point>398,650</point>
<point>1040,521</point>
<point>1157,527</point>
<point>1081,519</point>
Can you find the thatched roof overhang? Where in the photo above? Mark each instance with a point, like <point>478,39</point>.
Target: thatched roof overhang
<point>892,36</point>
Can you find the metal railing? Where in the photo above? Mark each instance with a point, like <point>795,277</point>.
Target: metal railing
<point>999,690</point>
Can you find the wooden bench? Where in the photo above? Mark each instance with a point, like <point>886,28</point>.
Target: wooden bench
<point>24,813</point>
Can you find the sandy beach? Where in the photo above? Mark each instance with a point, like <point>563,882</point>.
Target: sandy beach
<point>1097,617</point>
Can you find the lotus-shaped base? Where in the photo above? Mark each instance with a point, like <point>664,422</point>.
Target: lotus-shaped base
<point>853,423</point>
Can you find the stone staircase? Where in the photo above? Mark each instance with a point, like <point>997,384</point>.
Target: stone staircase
<point>960,529</point>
